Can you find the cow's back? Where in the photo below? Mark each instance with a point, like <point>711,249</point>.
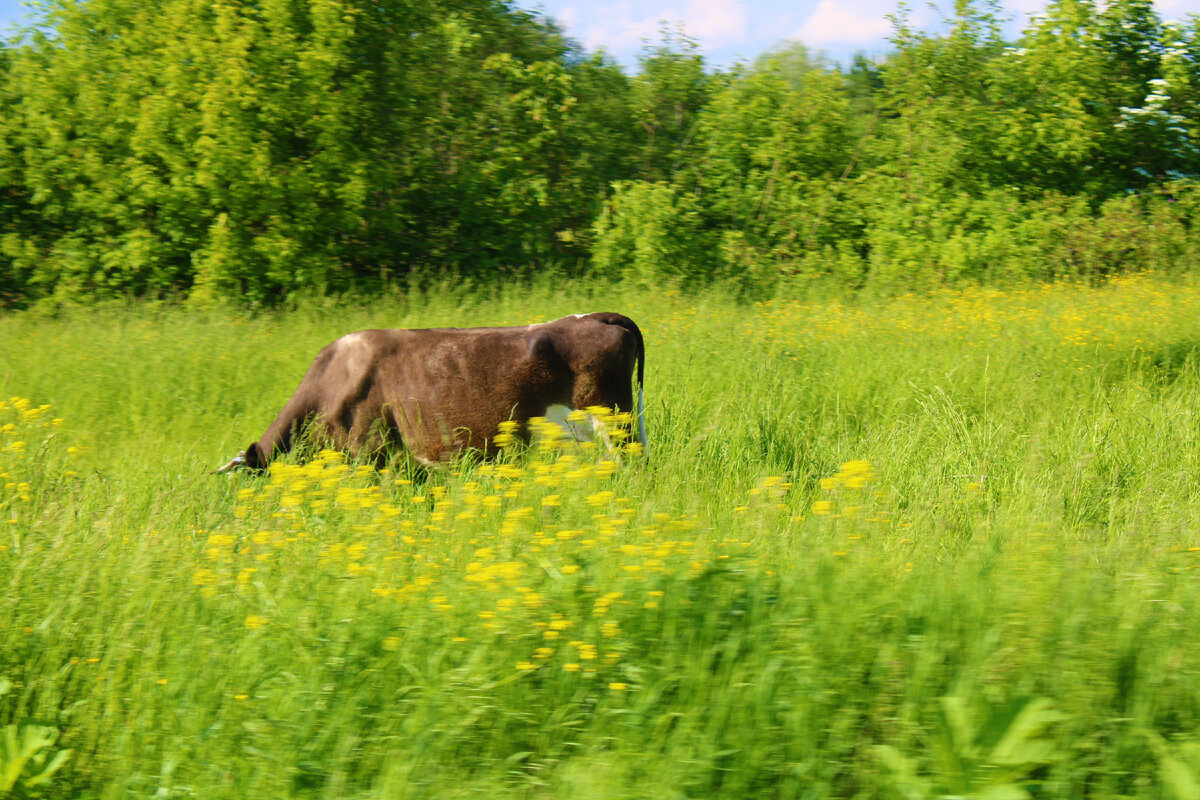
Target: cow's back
<point>447,389</point>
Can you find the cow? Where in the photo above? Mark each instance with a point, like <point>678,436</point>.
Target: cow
<point>438,392</point>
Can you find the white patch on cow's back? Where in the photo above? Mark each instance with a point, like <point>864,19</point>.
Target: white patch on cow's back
<point>560,319</point>
<point>356,352</point>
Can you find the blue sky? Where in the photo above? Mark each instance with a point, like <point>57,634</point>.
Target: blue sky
<point>728,30</point>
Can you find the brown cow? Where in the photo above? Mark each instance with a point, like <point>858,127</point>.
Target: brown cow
<point>440,391</point>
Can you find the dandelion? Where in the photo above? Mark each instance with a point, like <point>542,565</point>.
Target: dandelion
<point>618,687</point>
<point>507,435</point>
<point>255,621</point>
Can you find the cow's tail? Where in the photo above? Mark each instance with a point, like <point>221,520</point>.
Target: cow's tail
<point>640,358</point>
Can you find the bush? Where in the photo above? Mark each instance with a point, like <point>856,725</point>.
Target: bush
<point>651,231</point>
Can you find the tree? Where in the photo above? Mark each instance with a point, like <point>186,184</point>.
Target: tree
<point>669,91</point>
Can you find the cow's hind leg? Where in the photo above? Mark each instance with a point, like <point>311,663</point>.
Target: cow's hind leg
<point>611,393</point>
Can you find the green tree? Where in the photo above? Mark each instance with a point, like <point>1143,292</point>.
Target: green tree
<point>771,146</point>
<point>669,91</point>
<point>247,149</point>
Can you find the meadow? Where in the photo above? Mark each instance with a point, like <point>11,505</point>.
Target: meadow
<point>921,546</point>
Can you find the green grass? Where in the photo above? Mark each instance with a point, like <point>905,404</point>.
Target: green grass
<point>751,611</point>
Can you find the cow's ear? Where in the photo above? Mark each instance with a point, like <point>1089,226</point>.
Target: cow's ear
<point>254,456</point>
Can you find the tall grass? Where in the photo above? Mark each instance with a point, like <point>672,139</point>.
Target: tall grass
<point>866,535</point>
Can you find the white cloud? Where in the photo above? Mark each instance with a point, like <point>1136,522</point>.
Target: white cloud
<point>567,17</point>
<point>1177,9</point>
<point>833,23</point>
<point>713,23</point>
<point>619,32</point>
<point>716,22</point>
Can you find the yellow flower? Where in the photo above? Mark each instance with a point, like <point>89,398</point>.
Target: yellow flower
<point>618,687</point>
<point>601,498</point>
<point>822,507</point>
<point>255,621</point>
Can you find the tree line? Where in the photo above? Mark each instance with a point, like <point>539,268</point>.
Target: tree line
<point>247,149</point>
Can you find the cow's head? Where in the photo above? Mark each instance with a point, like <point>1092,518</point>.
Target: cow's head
<point>255,458</point>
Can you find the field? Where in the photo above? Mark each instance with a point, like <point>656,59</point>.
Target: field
<point>925,546</point>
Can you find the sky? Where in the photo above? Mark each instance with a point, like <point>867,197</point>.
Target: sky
<point>732,30</point>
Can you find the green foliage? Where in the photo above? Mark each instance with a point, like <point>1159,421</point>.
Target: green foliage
<point>981,750</point>
<point>668,92</point>
<point>246,151</point>
<point>26,765</point>
<point>771,144</point>
<point>27,762</point>
<point>1179,767</point>
<point>649,231</point>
